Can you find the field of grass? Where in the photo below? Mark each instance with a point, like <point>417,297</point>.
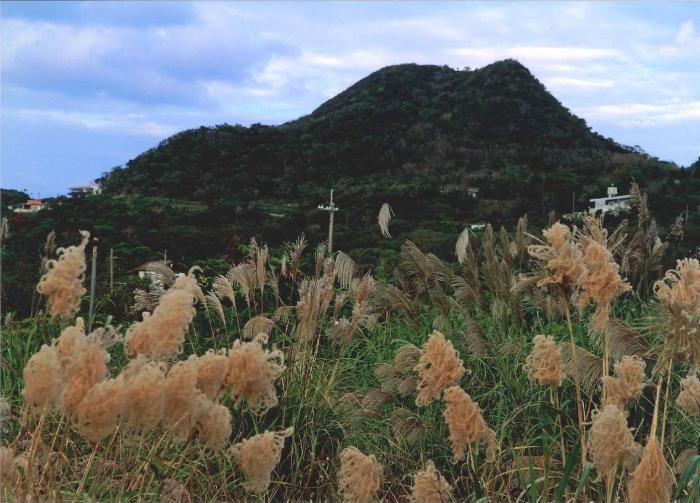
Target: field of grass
<point>358,352</point>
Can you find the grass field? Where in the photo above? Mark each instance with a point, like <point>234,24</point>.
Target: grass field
<point>357,352</point>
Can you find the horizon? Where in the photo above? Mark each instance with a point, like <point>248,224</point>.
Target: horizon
<point>89,86</point>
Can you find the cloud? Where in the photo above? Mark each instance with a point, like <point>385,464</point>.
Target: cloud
<point>132,123</point>
<point>582,84</point>
<point>645,114</point>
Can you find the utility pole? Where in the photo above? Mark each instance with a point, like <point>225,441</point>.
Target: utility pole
<point>111,270</point>
<point>331,208</point>
<point>93,284</point>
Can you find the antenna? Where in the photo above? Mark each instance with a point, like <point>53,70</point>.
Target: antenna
<point>331,208</point>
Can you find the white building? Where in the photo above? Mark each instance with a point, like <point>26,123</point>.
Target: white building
<point>31,206</point>
<point>85,190</point>
<point>612,202</point>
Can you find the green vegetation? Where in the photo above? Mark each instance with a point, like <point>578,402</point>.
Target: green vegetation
<point>345,386</point>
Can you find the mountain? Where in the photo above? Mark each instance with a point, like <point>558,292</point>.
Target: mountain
<point>444,147</point>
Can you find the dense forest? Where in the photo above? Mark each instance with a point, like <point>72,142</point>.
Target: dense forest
<point>419,137</point>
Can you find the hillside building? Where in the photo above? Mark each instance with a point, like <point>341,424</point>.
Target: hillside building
<point>85,190</point>
<point>611,203</point>
<point>31,206</point>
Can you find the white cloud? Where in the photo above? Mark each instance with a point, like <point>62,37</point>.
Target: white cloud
<point>130,123</point>
<point>645,114</point>
<point>582,84</point>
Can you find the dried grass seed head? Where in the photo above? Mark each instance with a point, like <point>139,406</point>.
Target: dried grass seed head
<point>360,477</point>
<point>87,369</point>
<point>63,281</point>
<point>429,486</point>
<point>689,397</point>
<point>258,456</point>
<point>439,366</point>
<point>42,379</point>
<point>628,382</point>
<point>466,424</point>
<point>652,480</point>
<point>252,372</point>
<point>544,364</point>
<point>211,371</point>
<point>610,441</point>
<point>678,315</point>
<point>602,282</point>
<point>561,259</point>
<point>161,335</point>
<point>184,402</point>
<point>144,394</point>
<point>215,426</point>
<point>101,410</point>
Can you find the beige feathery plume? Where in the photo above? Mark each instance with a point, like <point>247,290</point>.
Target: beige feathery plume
<point>101,409</point>
<point>161,335</point>
<point>610,442</point>
<point>679,310</point>
<point>466,424</point>
<point>211,371</point>
<point>252,372</point>
<point>652,480</point>
<point>223,288</point>
<point>258,456</point>
<point>561,258</point>
<point>257,325</point>
<point>628,382</point>
<point>360,477</point>
<point>602,282</point>
<point>42,379</point>
<point>345,269</point>
<point>689,397</point>
<point>385,214</point>
<point>63,281</point>
<point>429,486</point>
<point>214,303</point>
<point>184,402</point>
<point>461,246</point>
<point>8,472</point>
<point>86,369</point>
<point>544,364</point>
<point>214,426</point>
<point>438,367</point>
<point>144,394</point>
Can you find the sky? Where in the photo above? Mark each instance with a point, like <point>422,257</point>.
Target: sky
<point>88,86</point>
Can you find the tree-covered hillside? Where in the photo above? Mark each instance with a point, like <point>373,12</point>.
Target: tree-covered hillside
<point>415,136</point>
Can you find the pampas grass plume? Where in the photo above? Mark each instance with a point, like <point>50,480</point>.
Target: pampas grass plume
<point>63,281</point>
<point>252,371</point>
<point>438,367</point>
<point>627,383</point>
<point>144,396</point>
<point>42,378</point>
<point>544,364</point>
<point>652,480</point>
<point>101,409</point>
<point>689,397</point>
<point>258,456</point>
<point>214,426</point>
<point>184,402</point>
<point>161,335</point>
<point>466,424</point>
<point>211,369</point>
<point>429,486</point>
<point>360,476</point>
<point>610,442</point>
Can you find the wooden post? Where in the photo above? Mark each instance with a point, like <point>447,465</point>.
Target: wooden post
<point>111,270</point>
<point>331,208</point>
<point>93,285</point>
